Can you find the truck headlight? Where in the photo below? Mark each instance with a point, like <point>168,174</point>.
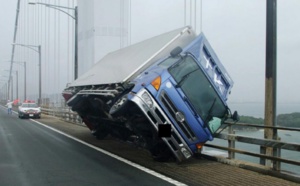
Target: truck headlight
<point>147,99</point>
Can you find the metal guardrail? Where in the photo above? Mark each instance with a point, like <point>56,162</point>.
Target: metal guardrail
<point>64,113</point>
<point>274,145</point>
<point>68,115</point>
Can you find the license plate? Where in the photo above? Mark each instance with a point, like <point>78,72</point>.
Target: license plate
<point>31,115</point>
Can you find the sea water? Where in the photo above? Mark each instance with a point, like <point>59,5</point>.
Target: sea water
<point>257,109</point>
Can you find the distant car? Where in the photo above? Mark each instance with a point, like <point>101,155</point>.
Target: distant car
<point>29,110</point>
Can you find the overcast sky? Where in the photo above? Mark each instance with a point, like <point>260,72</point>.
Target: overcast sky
<point>7,15</point>
<point>236,30</point>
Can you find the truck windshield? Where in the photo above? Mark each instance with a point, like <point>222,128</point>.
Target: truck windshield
<point>199,91</point>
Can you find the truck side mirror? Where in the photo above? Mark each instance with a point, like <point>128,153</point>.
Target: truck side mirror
<point>176,51</point>
<point>235,116</point>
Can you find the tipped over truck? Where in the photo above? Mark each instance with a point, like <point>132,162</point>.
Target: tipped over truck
<point>166,94</point>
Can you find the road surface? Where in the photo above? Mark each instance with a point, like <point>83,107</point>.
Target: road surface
<point>32,154</point>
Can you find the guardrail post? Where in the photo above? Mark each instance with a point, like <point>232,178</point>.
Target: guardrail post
<point>74,118</point>
<point>276,153</point>
<point>262,161</point>
<point>231,142</point>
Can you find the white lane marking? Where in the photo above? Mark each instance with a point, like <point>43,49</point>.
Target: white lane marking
<point>142,168</point>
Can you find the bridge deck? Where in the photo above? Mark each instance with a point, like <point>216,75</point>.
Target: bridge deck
<point>197,171</point>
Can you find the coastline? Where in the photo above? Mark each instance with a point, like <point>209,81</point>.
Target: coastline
<point>256,109</point>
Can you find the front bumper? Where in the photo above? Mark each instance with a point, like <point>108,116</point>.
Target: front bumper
<point>29,115</point>
<point>156,116</point>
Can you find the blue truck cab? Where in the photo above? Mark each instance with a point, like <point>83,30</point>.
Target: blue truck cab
<point>189,91</point>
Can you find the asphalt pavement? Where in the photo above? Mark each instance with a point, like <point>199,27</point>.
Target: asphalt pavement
<point>48,150</point>
<point>34,155</point>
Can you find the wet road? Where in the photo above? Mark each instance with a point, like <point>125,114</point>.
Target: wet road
<point>32,154</point>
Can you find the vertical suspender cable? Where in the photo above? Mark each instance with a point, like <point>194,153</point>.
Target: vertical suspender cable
<point>73,44</point>
<point>39,41</point>
<point>201,15</point>
<point>184,13</point>
<point>25,41</point>
<point>195,15</point>
<point>33,37</point>
<point>49,46</point>
<point>120,24</point>
<point>45,61</point>
<point>190,12</point>
<point>129,24</point>
<point>55,49</point>
<point>36,40</point>
<point>22,55</point>
<point>122,21</point>
<point>58,55</point>
<point>68,45</point>
<point>54,46</point>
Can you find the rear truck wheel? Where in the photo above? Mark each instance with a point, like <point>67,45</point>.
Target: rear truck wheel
<point>119,106</point>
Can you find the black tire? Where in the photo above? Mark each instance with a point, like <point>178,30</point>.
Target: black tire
<point>119,106</point>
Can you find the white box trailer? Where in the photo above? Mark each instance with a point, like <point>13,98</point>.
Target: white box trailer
<point>125,64</point>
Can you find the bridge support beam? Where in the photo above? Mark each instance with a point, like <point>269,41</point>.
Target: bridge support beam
<point>270,84</point>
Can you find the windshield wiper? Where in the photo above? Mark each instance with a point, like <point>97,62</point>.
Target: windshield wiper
<point>185,77</point>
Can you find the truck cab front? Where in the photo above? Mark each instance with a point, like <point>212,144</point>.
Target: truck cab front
<point>188,91</point>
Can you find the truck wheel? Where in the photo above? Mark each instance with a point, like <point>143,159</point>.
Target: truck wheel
<point>119,106</point>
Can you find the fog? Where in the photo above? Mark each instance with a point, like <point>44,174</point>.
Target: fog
<point>236,29</point>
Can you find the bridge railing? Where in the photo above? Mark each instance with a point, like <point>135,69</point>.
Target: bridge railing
<point>273,159</point>
<point>64,113</point>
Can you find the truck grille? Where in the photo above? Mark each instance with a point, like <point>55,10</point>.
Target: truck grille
<point>173,110</point>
